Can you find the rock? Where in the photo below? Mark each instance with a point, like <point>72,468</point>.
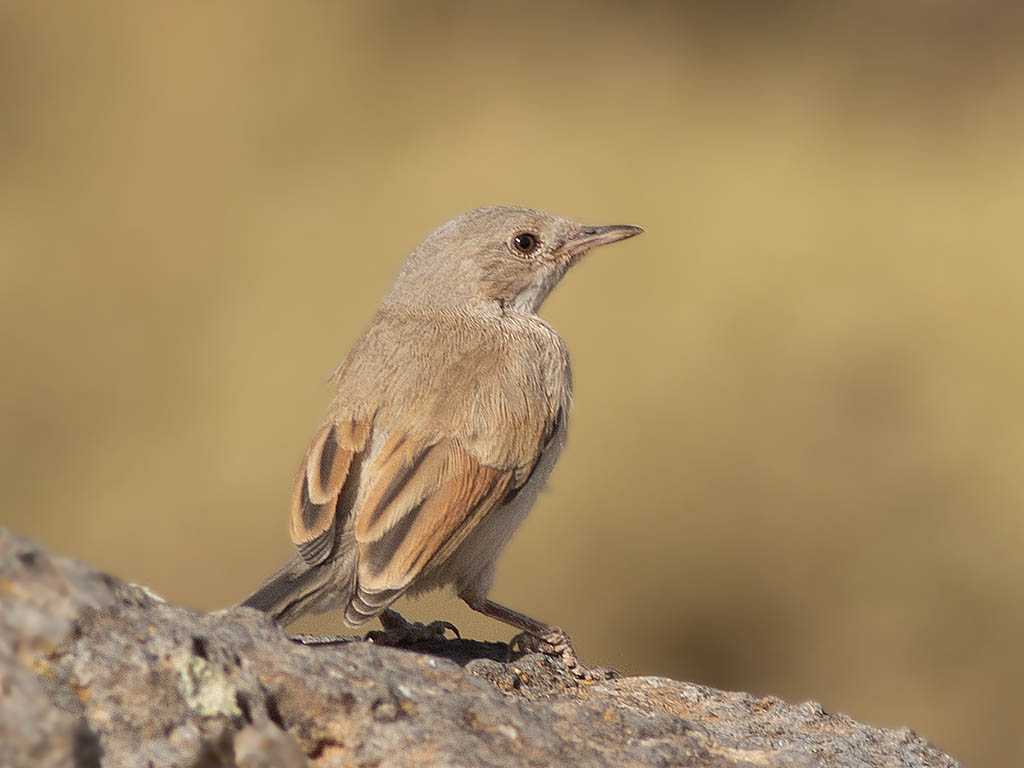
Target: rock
<point>94,672</point>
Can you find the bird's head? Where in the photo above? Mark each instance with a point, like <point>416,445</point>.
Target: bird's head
<point>503,255</point>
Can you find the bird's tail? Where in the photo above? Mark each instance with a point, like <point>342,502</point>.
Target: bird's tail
<point>299,588</point>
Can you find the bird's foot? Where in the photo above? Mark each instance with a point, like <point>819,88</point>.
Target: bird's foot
<point>398,632</point>
<point>556,643</point>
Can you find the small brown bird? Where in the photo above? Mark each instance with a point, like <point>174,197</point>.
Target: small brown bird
<point>449,414</point>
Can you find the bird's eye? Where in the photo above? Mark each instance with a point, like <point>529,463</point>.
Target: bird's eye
<point>526,242</point>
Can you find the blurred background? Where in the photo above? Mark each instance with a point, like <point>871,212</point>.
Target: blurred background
<point>794,466</point>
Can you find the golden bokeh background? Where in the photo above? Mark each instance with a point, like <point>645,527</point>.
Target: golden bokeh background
<point>795,461</point>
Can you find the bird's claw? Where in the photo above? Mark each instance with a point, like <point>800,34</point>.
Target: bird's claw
<point>397,631</point>
<point>557,644</point>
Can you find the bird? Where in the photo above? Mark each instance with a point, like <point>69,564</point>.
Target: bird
<point>448,416</point>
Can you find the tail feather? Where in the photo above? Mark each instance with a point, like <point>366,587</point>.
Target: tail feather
<point>299,588</point>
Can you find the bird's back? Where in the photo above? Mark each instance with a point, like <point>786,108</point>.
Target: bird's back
<point>484,377</point>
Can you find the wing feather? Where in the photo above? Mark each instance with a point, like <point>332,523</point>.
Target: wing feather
<point>427,519</point>
<point>401,475</point>
<point>318,485</point>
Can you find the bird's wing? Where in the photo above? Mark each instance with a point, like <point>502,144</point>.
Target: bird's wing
<point>419,503</point>
<point>414,501</point>
<point>320,482</point>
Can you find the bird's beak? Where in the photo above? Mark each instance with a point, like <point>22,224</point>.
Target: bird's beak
<point>591,237</point>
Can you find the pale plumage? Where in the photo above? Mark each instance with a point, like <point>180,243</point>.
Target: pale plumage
<point>449,414</point>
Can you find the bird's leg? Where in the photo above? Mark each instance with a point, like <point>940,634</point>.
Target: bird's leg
<point>397,631</point>
<point>536,636</point>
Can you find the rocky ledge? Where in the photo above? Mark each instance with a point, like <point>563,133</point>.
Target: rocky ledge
<point>94,672</point>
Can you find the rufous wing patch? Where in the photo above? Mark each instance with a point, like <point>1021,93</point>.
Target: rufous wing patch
<point>318,485</point>
<point>403,473</point>
<point>438,504</point>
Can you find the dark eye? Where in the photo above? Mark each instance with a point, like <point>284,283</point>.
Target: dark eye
<point>526,242</point>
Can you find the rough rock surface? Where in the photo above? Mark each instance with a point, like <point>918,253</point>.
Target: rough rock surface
<point>95,672</point>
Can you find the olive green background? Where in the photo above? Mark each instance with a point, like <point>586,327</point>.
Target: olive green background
<point>795,458</point>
